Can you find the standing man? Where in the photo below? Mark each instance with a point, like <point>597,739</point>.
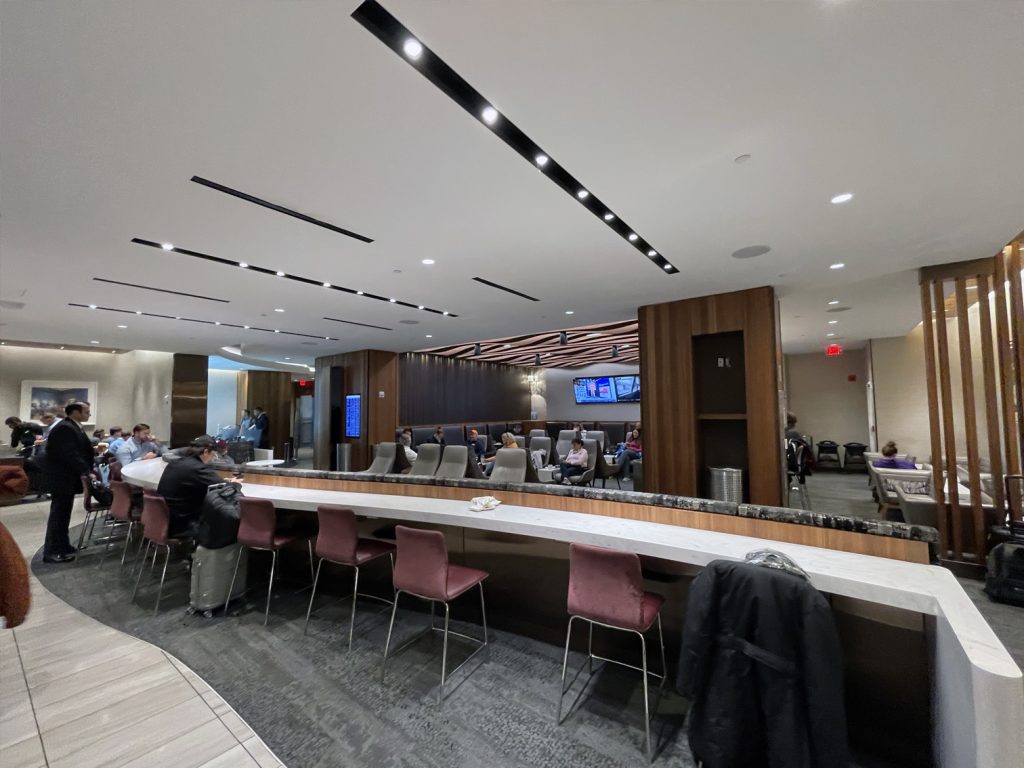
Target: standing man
<point>49,421</point>
<point>69,456</point>
<point>261,422</point>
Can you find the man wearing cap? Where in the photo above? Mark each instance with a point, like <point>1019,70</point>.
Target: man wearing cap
<point>184,482</point>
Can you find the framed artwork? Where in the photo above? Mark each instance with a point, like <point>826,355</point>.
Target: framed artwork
<point>42,397</point>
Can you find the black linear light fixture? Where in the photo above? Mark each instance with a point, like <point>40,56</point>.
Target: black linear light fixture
<point>353,322</point>
<point>278,273</point>
<point>279,208</point>
<point>97,308</point>
<point>160,290</point>
<point>505,288</point>
<point>402,41</point>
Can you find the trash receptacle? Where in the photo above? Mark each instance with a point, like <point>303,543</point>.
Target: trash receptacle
<point>726,484</point>
<point>343,457</point>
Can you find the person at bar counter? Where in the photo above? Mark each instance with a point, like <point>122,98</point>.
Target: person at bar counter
<point>575,462</point>
<point>438,436</point>
<point>474,444</point>
<point>184,482</point>
<point>23,434</point>
<point>69,455</point>
<point>890,461</point>
<point>261,422</point>
<point>141,445</point>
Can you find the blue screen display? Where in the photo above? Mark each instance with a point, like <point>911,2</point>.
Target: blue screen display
<point>353,415</point>
<point>600,390</point>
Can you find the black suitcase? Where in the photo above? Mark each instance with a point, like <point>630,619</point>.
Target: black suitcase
<point>218,521</point>
<point>241,451</point>
<point>1004,581</point>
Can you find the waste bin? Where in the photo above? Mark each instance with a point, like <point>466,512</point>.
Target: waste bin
<point>726,484</point>
<point>343,457</point>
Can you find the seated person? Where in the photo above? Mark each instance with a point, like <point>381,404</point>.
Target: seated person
<point>49,421</point>
<point>141,445</point>
<point>792,433</point>
<point>508,440</point>
<point>517,430</point>
<point>408,431</point>
<point>98,436</point>
<point>23,434</point>
<point>474,445</point>
<point>184,482</point>
<point>438,436</point>
<point>631,450</point>
<point>405,440</point>
<point>115,439</point>
<point>581,433</point>
<point>575,462</point>
<point>890,461</point>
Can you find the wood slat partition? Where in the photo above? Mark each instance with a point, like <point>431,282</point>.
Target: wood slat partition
<point>845,541</point>
<point>964,527</point>
<point>272,391</point>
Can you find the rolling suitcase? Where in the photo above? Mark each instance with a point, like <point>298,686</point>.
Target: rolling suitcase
<point>211,576</point>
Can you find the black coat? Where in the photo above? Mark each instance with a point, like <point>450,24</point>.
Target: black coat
<point>761,665</point>
<point>262,423</point>
<point>183,486</point>
<point>69,455</point>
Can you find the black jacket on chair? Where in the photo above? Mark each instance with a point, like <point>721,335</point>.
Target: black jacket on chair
<point>761,666</point>
<point>69,455</point>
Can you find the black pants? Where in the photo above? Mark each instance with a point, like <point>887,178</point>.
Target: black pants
<point>571,470</point>
<point>57,542</point>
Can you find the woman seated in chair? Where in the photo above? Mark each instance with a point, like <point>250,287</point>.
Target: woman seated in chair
<point>632,449</point>
<point>508,440</point>
<point>575,462</point>
<point>890,461</point>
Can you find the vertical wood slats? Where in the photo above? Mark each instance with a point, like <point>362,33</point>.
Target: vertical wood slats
<point>947,418</point>
<point>1017,326</point>
<point>933,419</point>
<point>1006,369</point>
<point>970,414</point>
<point>989,379</point>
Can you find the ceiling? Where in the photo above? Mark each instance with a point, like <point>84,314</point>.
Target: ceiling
<point>109,108</point>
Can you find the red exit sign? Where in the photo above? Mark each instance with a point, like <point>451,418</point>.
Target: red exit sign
<point>833,350</point>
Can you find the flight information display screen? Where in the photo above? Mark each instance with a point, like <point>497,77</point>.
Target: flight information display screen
<point>353,415</point>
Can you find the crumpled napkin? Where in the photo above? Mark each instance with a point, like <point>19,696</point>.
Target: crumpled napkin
<point>483,503</point>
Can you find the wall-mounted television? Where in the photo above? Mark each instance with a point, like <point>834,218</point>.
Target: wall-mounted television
<point>353,415</point>
<point>606,389</point>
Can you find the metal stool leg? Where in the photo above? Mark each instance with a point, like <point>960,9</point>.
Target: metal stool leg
<point>664,666</point>
<point>141,571</point>
<point>270,588</point>
<point>391,626</point>
<point>647,708</point>
<point>127,540</point>
<point>483,610</point>
<point>590,646</point>
<point>231,588</point>
<point>444,653</point>
<point>565,662</point>
<point>355,596</point>
<point>312,573</point>
<point>163,576</point>
<point>312,597</point>
<point>85,524</point>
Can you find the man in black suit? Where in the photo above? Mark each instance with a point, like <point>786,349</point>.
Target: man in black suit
<point>69,454</point>
<point>262,422</point>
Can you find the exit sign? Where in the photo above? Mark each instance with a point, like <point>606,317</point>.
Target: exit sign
<point>833,350</point>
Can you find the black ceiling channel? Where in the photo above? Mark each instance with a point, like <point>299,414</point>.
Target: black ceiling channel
<point>284,276</point>
<point>279,208</point>
<point>353,322</point>
<point>160,290</point>
<point>506,289</point>
<point>390,31</point>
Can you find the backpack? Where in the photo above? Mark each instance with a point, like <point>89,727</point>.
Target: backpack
<point>218,521</point>
<point>1004,581</point>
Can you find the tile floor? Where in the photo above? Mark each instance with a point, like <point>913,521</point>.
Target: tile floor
<point>75,692</point>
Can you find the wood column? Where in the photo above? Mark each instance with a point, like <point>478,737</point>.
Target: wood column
<point>189,383</point>
<point>274,393</point>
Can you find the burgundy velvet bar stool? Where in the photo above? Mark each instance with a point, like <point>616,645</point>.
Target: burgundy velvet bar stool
<point>257,529</point>
<point>156,522</point>
<point>338,542</point>
<point>422,570</point>
<point>606,588</point>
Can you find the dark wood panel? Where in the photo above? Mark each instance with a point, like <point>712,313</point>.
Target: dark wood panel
<point>949,436</point>
<point>190,378</point>
<point>970,414</point>
<point>443,390</point>
<point>1006,369</point>
<point>933,415</point>
<point>989,378</point>
<point>273,392</point>
<point>381,412</point>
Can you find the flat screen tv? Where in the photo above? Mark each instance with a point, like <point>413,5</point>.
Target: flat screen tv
<point>607,389</point>
<point>627,389</point>
<point>353,415</point>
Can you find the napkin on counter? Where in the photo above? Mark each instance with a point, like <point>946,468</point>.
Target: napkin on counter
<point>483,503</point>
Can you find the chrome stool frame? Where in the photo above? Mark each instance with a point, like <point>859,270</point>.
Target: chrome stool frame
<point>270,584</point>
<point>355,593</point>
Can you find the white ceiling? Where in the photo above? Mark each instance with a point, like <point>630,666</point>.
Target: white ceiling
<point>109,107</point>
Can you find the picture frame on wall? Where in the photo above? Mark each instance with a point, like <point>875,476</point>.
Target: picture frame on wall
<point>39,397</point>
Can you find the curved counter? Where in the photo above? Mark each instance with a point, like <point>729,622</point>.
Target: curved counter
<point>978,690</point>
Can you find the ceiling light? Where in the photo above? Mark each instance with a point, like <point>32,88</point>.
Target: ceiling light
<point>609,216</point>
<point>326,338</point>
<point>216,322</point>
<point>829,335</point>
<point>476,348</point>
<point>843,198</point>
<point>92,306</point>
<point>832,322</point>
<point>563,338</point>
<point>583,194</point>
<point>277,309</point>
<point>413,48</point>
<point>632,237</point>
<point>591,335</point>
<point>833,302</point>
<point>507,346</point>
<point>429,336</point>
<point>652,253</point>
<point>243,265</point>
<point>490,115</point>
<point>428,262</point>
<point>838,265</point>
<point>167,246</point>
<point>569,312</point>
<point>276,330</point>
<point>287,358</point>
<point>62,347</point>
<point>541,160</point>
<point>327,285</point>
<point>445,313</point>
<point>359,293</point>
<point>392,300</point>
<point>246,327</point>
<point>420,307</point>
<point>122,326</point>
<point>280,273</point>
<point>94,342</point>
<point>668,267</point>
<point>113,351</point>
<point>138,311</point>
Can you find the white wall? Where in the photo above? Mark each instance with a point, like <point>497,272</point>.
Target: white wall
<point>221,400</point>
<point>134,386</point>
<point>827,404</point>
<point>561,403</point>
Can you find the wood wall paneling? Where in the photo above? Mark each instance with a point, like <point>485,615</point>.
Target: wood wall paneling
<point>1006,369</point>
<point>989,380</point>
<point>189,383</point>
<point>933,417</point>
<point>949,435</point>
<point>1017,325</point>
<point>970,414</point>
<point>273,392</point>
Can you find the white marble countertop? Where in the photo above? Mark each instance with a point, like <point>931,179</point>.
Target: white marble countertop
<point>993,698</point>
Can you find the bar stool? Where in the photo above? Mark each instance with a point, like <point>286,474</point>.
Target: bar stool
<point>156,521</point>
<point>423,571</point>
<point>257,529</point>
<point>93,509</point>
<point>122,512</point>
<point>606,588</point>
<point>338,541</point>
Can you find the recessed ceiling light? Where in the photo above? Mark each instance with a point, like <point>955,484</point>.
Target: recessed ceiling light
<point>287,358</point>
<point>167,246</point>
<point>445,313</point>
<point>216,322</point>
<point>833,302</point>
<point>178,317</point>
<point>392,300</point>
<point>652,253</point>
<point>838,265</point>
<point>428,262</point>
<point>276,330</point>
<point>278,309</point>
<point>413,48</point>
<point>569,312</point>
<point>94,342</point>
<point>92,306</point>
<point>507,346</point>
<point>138,311</point>
<point>246,327</point>
<point>490,115</point>
<point>632,237</point>
<point>420,307</point>
<point>359,293</point>
<point>541,160</point>
<point>582,194</point>
<point>609,216</point>
<point>280,273</point>
<point>429,336</point>
<point>843,198</point>
<point>122,326</point>
<point>591,335</point>
<point>625,346</point>
<point>327,285</point>
<point>243,265</point>
<point>829,335</point>
<point>832,322</point>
